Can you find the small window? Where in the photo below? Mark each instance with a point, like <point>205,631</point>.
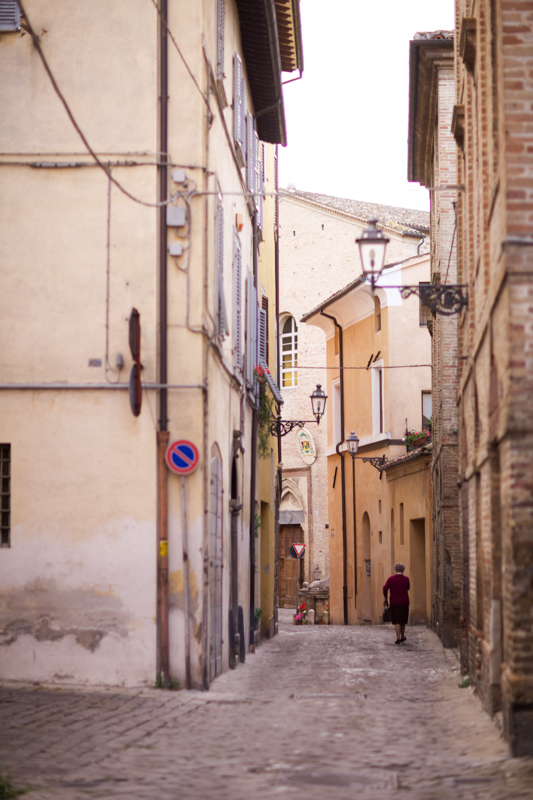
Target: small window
<point>289,353</point>
<point>426,411</point>
<point>9,15</point>
<point>377,313</point>
<point>5,495</point>
<point>402,532</point>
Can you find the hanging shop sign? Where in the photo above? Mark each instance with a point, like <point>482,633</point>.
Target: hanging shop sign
<point>306,446</point>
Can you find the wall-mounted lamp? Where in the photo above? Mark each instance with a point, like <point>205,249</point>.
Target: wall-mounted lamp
<point>281,427</point>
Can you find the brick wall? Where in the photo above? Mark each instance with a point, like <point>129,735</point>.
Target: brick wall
<point>495,257</point>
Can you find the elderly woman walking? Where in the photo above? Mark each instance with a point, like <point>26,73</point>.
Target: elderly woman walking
<point>399,586</point>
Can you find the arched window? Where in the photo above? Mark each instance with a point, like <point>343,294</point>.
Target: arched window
<point>289,353</point>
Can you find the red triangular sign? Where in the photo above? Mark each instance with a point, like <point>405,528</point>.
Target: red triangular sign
<point>298,549</point>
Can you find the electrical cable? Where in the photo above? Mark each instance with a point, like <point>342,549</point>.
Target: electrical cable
<point>385,366</point>
<point>77,128</point>
<point>174,42</point>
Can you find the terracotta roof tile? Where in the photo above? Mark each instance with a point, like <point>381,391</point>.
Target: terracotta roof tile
<point>405,220</point>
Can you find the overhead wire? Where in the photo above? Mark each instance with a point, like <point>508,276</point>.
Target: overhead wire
<point>101,164</point>
<point>174,42</point>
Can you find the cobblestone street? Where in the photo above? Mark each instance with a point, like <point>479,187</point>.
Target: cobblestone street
<point>317,712</point>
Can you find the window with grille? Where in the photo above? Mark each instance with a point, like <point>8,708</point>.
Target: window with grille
<point>9,15</point>
<point>5,495</point>
<point>289,353</point>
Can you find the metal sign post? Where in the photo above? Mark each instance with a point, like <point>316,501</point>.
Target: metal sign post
<point>297,551</point>
<point>182,458</point>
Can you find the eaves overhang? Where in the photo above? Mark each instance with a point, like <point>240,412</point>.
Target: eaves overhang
<point>261,50</point>
<point>419,92</point>
<point>290,35</point>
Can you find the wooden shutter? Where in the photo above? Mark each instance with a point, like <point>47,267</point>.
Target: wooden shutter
<point>259,169</point>
<point>251,330</point>
<point>264,307</point>
<point>263,317</point>
<point>238,109</point>
<point>221,313</point>
<point>237,303</point>
<point>250,161</point>
<point>9,15</point>
<point>221,16</point>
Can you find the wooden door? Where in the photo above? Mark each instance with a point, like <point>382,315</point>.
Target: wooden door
<point>287,567</point>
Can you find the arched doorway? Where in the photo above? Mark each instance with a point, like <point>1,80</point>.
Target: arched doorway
<point>366,581</point>
<point>291,518</point>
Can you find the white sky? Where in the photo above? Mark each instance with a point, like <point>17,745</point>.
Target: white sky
<point>347,118</point>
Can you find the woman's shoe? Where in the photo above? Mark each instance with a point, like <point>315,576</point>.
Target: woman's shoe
<point>403,639</point>
<point>398,641</point>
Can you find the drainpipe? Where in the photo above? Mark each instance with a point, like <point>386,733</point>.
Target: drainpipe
<point>343,473</point>
<point>163,659</point>
<point>254,468</point>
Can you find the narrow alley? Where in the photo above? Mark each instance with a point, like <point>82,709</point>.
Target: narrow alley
<point>317,711</point>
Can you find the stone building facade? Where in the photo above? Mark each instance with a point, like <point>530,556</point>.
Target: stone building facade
<point>433,163</point>
<point>318,256</point>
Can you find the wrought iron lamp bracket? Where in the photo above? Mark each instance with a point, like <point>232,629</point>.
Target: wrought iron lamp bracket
<point>444,299</point>
<point>281,427</point>
<point>377,461</point>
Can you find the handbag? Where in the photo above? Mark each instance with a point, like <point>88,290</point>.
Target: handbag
<point>387,612</point>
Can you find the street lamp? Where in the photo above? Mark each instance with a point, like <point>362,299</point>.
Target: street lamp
<point>281,427</point>
<point>445,299</point>
<point>372,247</point>
<point>318,403</point>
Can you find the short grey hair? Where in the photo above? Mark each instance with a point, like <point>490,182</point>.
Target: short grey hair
<point>399,567</point>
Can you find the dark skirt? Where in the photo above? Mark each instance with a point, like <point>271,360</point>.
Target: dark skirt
<point>400,615</point>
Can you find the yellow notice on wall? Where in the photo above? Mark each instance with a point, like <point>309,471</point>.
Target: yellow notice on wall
<point>163,548</point>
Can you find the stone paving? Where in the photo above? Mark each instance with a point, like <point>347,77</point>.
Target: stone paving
<point>317,712</point>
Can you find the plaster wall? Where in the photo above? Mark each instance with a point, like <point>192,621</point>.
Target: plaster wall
<point>76,260</point>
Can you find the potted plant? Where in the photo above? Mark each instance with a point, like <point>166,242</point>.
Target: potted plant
<point>415,439</point>
<point>301,617</point>
<point>265,412</point>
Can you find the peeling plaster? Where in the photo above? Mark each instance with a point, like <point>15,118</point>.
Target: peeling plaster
<point>47,612</point>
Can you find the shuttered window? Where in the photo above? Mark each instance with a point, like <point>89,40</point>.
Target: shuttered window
<point>250,153</point>
<point>251,330</point>
<point>221,18</point>
<point>238,110</point>
<point>9,15</point>
<point>264,332</point>
<point>237,303</point>
<point>221,313</point>
<point>5,495</point>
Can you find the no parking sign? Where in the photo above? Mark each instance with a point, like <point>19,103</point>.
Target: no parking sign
<point>182,457</point>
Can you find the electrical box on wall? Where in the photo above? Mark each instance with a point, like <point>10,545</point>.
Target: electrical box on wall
<point>175,216</point>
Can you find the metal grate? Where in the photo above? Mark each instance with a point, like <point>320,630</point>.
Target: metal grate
<point>5,494</point>
<point>9,15</point>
